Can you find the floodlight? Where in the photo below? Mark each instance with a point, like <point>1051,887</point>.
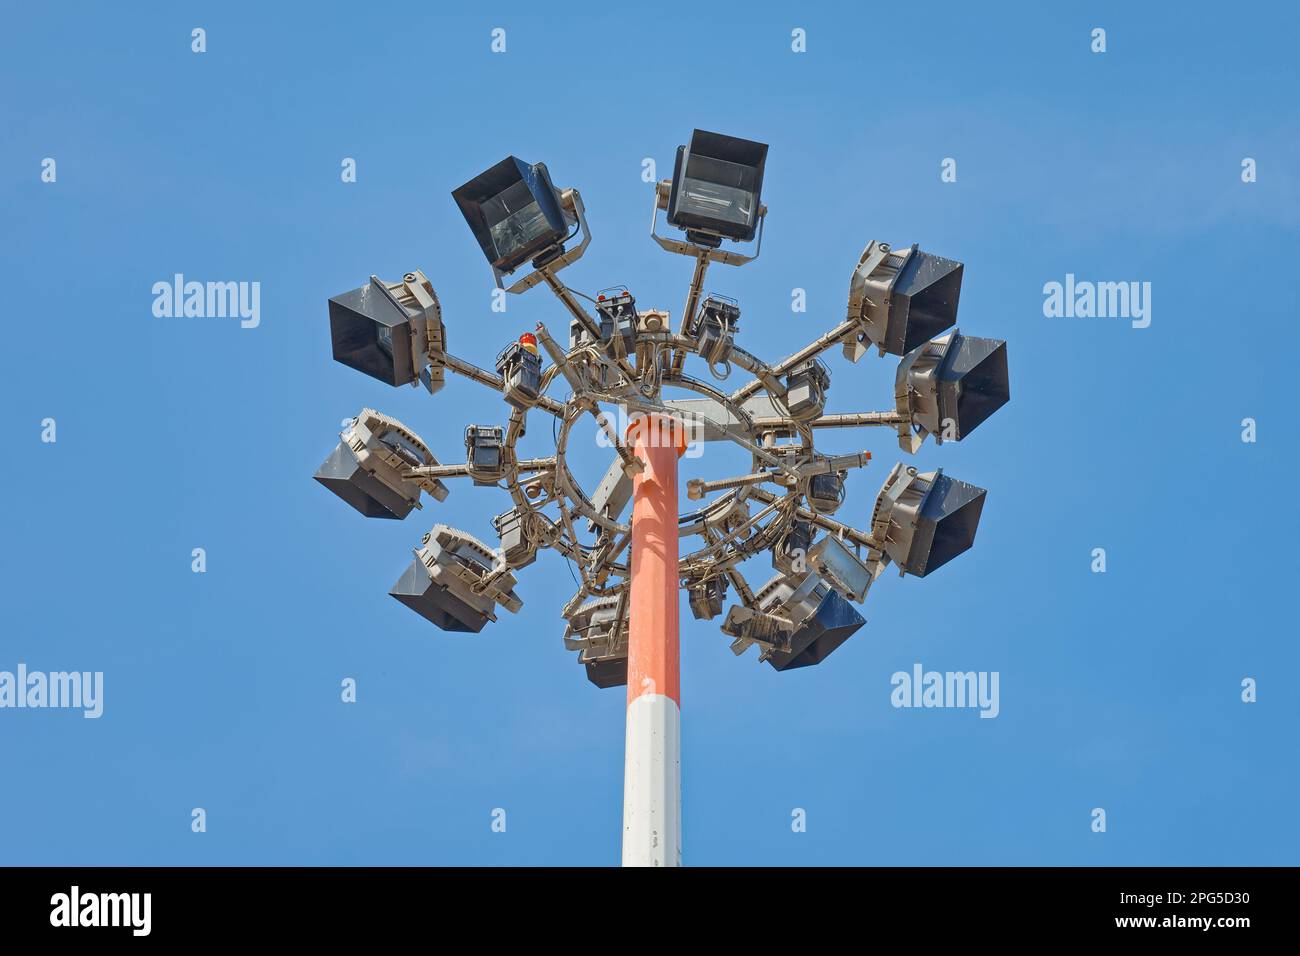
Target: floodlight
<point>849,574</point>
<point>901,299</point>
<point>448,583</point>
<point>520,366</point>
<point>716,185</point>
<point>833,623</point>
<point>805,390</point>
<point>819,617</point>
<point>950,385</point>
<point>370,467</point>
<point>514,212</point>
<point>485,453</point>
<point>392,331</point>
<point>600,638</point>
<point>925,520</point>
<point>706,598</point>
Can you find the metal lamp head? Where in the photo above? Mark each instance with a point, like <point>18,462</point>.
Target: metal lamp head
<point>342,474</point>
<point>925,520</point>
<point>594,630</point>
<point>951,385</point>
<point>514,212</point>
<point>706,598</point>
<point>369,468</point>
<point>446,583</point>
<point>716,188</point>
<point>820,618</point>
<point>901,299</point>
<point>390,331</point>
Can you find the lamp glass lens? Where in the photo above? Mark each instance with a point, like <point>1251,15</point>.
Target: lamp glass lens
<point>514,219</point>
<point>718,189</point>
<point>384,338</point>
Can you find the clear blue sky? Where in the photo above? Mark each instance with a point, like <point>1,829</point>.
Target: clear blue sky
<point>1118,690</point>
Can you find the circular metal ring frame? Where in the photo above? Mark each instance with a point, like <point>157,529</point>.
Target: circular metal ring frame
<point>709,518</point>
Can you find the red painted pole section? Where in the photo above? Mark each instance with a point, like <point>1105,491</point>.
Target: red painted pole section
<point>652,767</point>
<point>653,656</point>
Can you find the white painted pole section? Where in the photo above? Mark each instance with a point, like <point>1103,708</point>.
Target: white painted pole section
<point>652,783</point>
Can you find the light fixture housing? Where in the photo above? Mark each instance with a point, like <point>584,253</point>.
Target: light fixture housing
<point>901,299</point>
<point>950,385</point>
<point>369,468</point>
<point>391,331</point>
<point>716,188</point>
<point>515,213</point>
<point>600,638</point>
<point>445,582</point>
<point>820,617</point>
<point>925,520</point>
<point>706,597</point>
<point>845,571</point>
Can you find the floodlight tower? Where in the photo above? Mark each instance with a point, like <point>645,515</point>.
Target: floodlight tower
<point>624,620</point>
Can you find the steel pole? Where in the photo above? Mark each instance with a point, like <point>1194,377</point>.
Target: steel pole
<point>652,789</point>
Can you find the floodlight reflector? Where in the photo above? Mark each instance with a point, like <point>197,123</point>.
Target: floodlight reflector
<point>974,382</point>
<point>596,632</point>
<point>706,597</point>
<point>611,672</point>
<point>390,331</point>
<point>901,299</point>
<point>925,520</point>
<point>441,607</point>
<point>514,212</point>
<point>342,474</point>
<point>716,187</point>
<point>447,583</point>
<point>834,622</point>
<point>820,618</point>
<point>370,467</point>
<point>835,561</point>
<point>950,385</point>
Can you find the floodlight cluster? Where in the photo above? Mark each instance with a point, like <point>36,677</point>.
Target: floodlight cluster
<point>901,302</point>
